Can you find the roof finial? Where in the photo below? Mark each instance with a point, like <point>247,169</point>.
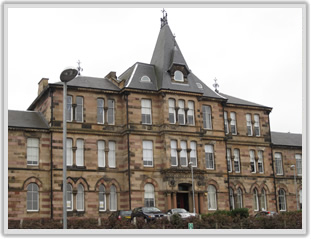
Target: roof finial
<point>215,85</point>
<point>79,68</point>
<point>164,19</point>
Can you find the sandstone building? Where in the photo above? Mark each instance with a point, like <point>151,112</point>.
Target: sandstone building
<point>131,138</point>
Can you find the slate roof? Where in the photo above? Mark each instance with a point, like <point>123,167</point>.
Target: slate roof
<point>91,82</point>
<point>26,119</point>
<point>238,101</point>
<point>286,139</point>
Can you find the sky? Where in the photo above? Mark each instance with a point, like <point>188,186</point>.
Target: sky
<point>255,53</point>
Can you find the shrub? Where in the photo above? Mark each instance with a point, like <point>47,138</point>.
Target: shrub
<point>241,212</point>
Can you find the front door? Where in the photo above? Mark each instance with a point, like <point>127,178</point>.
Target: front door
<point>183,201</point>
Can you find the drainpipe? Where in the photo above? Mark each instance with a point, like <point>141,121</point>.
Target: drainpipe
<point>128,149</point>
<point>51,155</point>
<point>228,175</point>
<point>276,204</point>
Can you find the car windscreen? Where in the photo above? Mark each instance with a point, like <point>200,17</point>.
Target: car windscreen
<point>179,210</point>
<point>125,213</point>
<point>151,209</point>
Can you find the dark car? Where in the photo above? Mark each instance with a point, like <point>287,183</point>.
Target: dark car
<point>266,214</point>
<point>120,214</point>
<point>148,213</point>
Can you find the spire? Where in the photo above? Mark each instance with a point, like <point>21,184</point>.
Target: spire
<point>79,68</point>
<point>215,85</point>
<point>164,19</point>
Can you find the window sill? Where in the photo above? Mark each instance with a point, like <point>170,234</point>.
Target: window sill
<point>32,211</point>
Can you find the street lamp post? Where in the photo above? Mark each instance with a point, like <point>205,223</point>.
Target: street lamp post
<point>67,75</point>
<point>191,165</point>
<point>294,166</point>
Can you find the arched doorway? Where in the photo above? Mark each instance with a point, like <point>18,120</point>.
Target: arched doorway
<point>182,196</point>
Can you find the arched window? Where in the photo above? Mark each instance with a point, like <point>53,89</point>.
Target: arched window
<point>239,198</point>
<point>263,200</point>
<point>231,196</point>
<point>113,198</point>
<point>282,200</point>
<point>255,200</point>
<point>211,198</point>
<point>178,76</point>
<point>102,198</point>
<point>80,198</point>
<point>32,197</point>
<point>145,79</point>
<point>69,198</point>
<point>149,195</point>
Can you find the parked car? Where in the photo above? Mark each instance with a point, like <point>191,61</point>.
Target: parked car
<point>120,214</point>
<point>266,214</point>
<point>184,214</point>
<point>148,213</point>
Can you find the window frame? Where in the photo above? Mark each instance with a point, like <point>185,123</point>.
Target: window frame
<point>174,151</point>
<point>113,195</point>
<point>249,125</point>
<point>79,162</point>
<point>177,74</point>
<point>229,161</point>
<point>278,165</point>
<point>183,152</point>
<point>112,161</point>
<point>182,112</point>
<point>207,152</point>
<point>257,125</point>
<point>111,110</point>
<point>207,117</point>
<point>190,112</point>
<point>231,199</point>
<point>193,147</point>
<point>280,202</point>
<point>236,159</point>
<point>226,122</point>
<point>149,191</point>
<point>145,151</point>
<point>78,105</point>
<point>252,161</point>
<point>255,200</point>
<point>101,153</point>
<point>104,208</point>
<point>211,195</point>
<point>33,144</point>
<point>263,200</point>
<point>34,193</point>
<point>233,123</point>
<point>260,161</point>
<point>298,158</point>
<point>171,110</point>
<point>69,196</point>
<point>69,104</point>
<point>239,198</point>
<point>80,196</point>
<point>101,114</point>
<point>69,150</point>
<point>146,111</point>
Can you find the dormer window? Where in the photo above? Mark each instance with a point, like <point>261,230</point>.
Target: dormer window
<point>178,76</point>
<point>145,79</point>
<point>199,85</point>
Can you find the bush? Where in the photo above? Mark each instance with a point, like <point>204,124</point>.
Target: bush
<point>236,219</point>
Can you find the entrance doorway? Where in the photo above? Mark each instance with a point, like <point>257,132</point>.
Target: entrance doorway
<point>183,200</point>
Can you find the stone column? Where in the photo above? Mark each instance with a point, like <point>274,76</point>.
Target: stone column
<point>201,197</point>
<point>169,201</point>
<point>174,203</point>
<point>196,202</point>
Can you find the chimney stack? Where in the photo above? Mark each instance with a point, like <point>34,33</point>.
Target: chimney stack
<point>43,83</point>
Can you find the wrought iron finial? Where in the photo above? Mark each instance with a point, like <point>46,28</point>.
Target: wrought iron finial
<point>79,68</point>
<point>216,85</point>
<point>164,19</point>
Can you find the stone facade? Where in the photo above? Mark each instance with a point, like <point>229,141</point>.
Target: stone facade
<point>171,182</point>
